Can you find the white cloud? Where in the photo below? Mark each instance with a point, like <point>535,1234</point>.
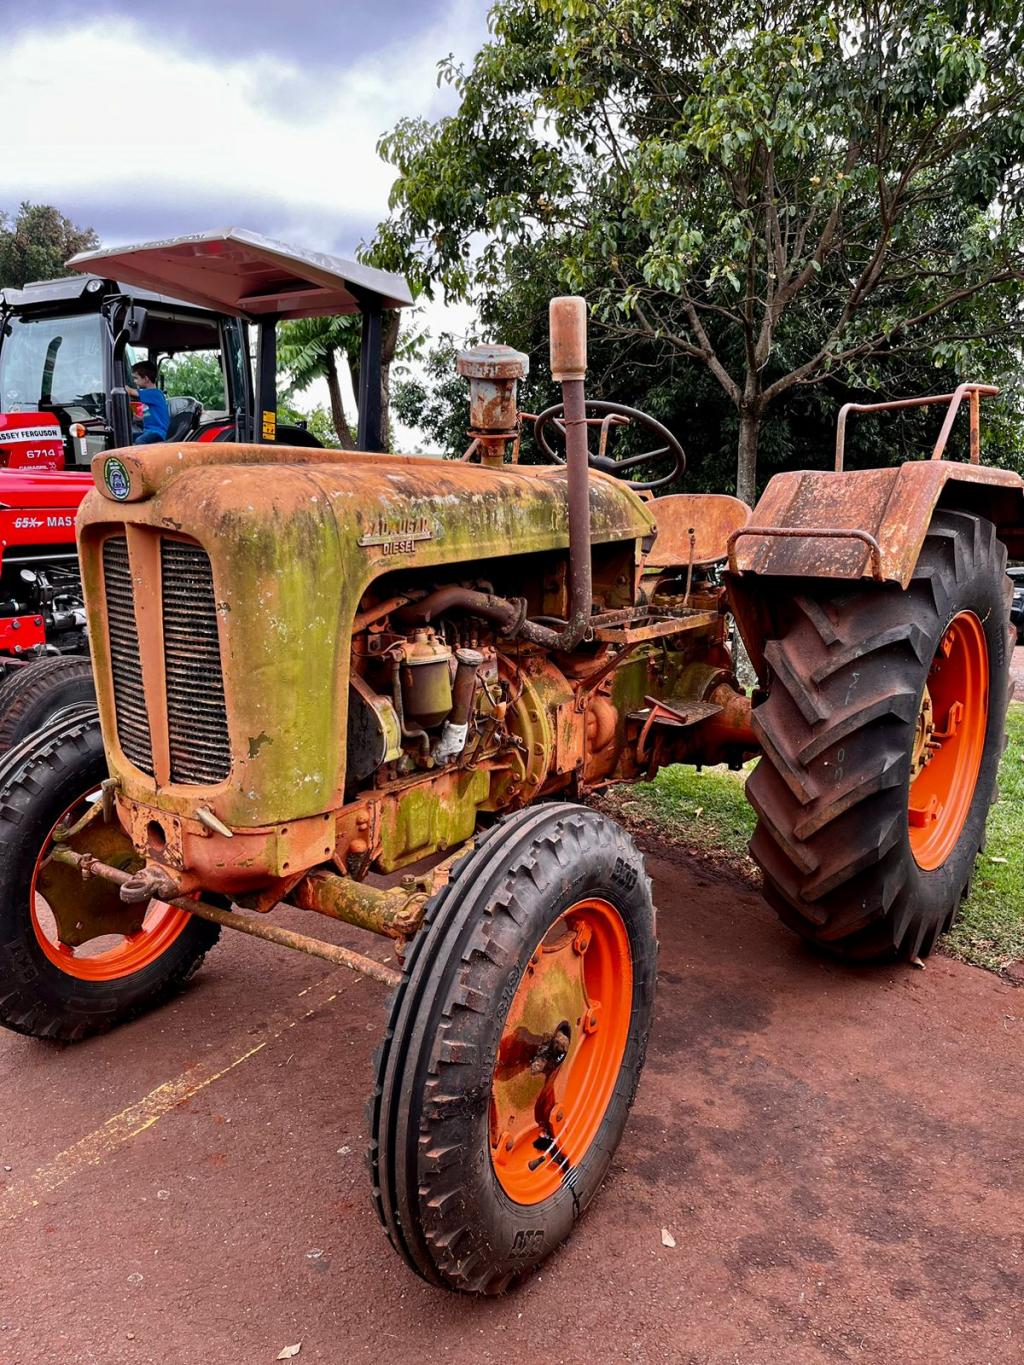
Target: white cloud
<point>97,113</point>
<point>98,110</point>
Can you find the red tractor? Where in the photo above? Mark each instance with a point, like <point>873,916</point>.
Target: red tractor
<point>66,350</point>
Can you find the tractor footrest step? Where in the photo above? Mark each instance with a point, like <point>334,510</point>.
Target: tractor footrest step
<point>653,627</point>
<point>676,715</point>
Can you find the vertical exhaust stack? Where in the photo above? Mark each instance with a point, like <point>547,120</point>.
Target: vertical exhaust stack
<point>568,325</point>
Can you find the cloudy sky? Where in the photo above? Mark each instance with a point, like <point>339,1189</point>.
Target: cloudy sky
<point>145,120</point>
<point>149,120</point>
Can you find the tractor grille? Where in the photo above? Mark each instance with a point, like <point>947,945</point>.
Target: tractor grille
<point>129,697</point>
<point>196,716</point>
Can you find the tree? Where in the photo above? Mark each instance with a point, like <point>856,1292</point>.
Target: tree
<point>310,349</point>
<point>789,195</point>
<point>315,348</point>
<point>195,374</point>
<point>37,243</point>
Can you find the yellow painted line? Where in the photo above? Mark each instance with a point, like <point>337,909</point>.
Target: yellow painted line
<point>138,1117</point>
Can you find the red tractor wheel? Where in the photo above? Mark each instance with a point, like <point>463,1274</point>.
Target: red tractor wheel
<point>74,960</point>
<point>514,1048</point>
<point>882,734</point>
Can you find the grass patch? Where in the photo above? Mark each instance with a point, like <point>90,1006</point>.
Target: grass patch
<point>708,813</point>
<point>990,929</point>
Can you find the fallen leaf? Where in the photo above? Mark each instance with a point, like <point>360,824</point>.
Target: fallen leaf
<point>999,860</point>
<point>667,1240</point>
<point>290,1352</point>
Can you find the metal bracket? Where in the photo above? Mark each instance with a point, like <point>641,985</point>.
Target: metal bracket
<point>811,533</point>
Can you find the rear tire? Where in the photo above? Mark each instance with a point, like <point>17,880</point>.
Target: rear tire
<point>42,779</point>
<point>470,1194</point>
<point>31,694</point>
<point>842,737</point>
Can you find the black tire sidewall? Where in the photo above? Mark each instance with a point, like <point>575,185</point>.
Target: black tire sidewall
<point>516,1237</point>
<point>61,683</point>
<point>63,1005</point>
<point>982,594</point>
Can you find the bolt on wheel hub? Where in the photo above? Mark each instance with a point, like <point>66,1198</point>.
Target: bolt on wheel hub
<point>560,1051</point>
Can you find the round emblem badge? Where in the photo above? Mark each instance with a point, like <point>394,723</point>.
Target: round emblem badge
<point>115,476</point>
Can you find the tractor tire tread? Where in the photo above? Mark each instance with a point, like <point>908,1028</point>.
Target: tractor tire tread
<point>829,791</point>
<point>27,773</point>
<point>30,695</point>
<point>472,929</point>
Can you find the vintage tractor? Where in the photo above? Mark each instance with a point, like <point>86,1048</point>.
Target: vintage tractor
<point>66,350</point>
<point>380,687</point>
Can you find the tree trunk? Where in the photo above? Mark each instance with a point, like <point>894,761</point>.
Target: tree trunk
<point>389,344</point>
<point>341,426</point>
<point>746,455</point>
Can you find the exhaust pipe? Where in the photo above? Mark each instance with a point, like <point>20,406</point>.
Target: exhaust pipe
<point>568,328</point>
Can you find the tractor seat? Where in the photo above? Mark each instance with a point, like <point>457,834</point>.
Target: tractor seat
<point>185,415</point>
<point>712,517</point>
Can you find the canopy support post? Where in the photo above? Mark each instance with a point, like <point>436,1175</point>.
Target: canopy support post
<point>371,427</point>
<point>265,425</point>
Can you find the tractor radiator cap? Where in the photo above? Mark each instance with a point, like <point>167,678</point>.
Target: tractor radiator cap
<point>492,362</point>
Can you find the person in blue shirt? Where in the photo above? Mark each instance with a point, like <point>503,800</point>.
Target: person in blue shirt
<point>157,417</point>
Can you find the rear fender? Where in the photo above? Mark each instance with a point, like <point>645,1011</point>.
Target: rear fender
<point>858,524</point>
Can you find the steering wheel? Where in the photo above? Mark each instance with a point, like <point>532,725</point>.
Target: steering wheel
<point>611,418</point>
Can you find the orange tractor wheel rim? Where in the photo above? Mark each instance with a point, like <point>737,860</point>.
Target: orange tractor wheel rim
<point>108,956</point>
<point>950,741</point>
<point>561,1051</point>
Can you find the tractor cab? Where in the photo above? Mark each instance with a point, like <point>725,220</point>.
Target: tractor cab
<point>66,351</point>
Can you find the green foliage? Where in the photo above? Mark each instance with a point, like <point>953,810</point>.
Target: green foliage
<point>990,928</point>
<point>435,400</point>
<point>791,197</point>
<point>36,244</point>
<point>322,427</point>
<point>195,374</point>
<point>306,348</point>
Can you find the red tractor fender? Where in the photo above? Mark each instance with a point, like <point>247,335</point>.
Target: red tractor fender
<point>858,524</point>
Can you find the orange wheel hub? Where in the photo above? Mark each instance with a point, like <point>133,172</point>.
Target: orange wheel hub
<point>82,927</point>
<point>561,1051</point>
<point>949,742</point>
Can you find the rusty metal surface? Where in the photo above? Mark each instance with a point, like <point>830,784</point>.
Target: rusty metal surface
<point>712,517</point>
<point>86,908</point>
<point>973,392</point>
<point>493,373</point>
<point>396,913</point>
<point>567,321</point>
<point>894,506</point>
<point>819,533</point>
<point>629,634</point>
<point>577,468</point>
<point>306,540</point>
<point>88,868</point>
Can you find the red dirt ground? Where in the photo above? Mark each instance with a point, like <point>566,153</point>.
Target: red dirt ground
<point>836,1152</point>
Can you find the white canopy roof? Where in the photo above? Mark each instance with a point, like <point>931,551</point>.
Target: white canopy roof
<point>242,273</point>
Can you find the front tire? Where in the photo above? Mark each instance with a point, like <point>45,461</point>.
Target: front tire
<point>514,1048</point>
<point>74,960</point>
<point>882,734</point>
